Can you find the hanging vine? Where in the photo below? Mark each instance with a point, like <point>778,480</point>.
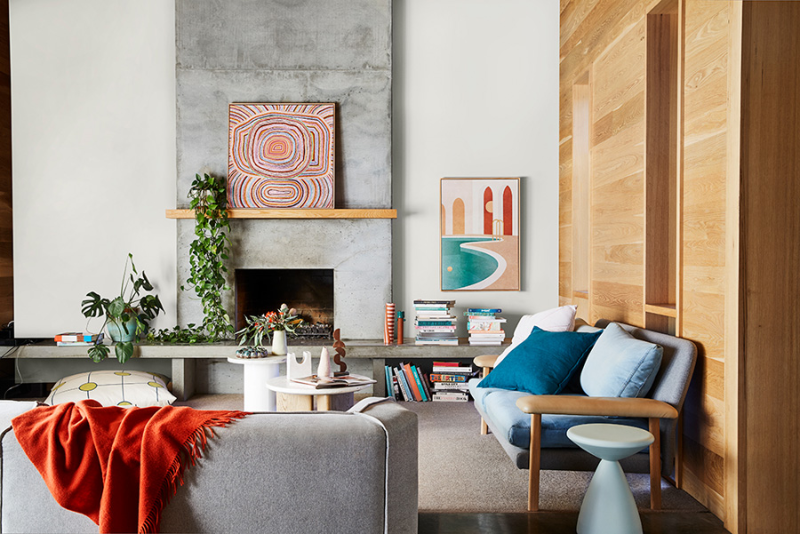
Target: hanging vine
<point>207,255</point>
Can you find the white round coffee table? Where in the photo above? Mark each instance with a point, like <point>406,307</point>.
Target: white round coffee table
<point>294,397</point>
<point>257,398</point>
<point>608,506</point>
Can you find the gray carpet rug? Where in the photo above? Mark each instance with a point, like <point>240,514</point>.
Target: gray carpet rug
<point>462,471</point>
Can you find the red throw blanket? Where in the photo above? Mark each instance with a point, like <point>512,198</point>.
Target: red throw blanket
<point>118,466</point>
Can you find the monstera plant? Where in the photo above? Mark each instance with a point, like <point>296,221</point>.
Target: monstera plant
<point>127,315</point>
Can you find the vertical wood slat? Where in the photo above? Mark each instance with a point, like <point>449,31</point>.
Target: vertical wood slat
<point>770,256</point>
<point>6,213</point>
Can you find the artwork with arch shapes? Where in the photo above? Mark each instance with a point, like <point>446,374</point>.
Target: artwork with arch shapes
<point>479,234</point>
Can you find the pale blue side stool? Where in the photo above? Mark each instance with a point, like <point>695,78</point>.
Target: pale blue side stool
<point>608,506</point>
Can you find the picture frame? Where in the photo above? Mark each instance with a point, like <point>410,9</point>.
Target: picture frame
<point>281,155</point>
<point>479,234</point>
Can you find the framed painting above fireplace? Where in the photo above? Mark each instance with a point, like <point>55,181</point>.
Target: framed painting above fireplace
<point>281,155</point>
<point>479,234</point>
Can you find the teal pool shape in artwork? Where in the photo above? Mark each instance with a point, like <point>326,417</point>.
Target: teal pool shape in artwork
<point>463,267</point>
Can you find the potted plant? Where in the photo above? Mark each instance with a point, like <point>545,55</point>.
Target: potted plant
<point>284,321</point>
<point>127,315</point>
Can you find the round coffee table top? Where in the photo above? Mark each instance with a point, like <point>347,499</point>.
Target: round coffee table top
<point>609,441</point>
<point>281,384</point>
<point>269,360</point>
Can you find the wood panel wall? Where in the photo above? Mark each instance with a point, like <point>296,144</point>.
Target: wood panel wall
<point>609,39</point>
<point>6,251</point>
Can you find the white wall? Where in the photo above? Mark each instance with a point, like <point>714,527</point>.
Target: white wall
<point>93,111</point>
<point>475,95</point>
<point>93,88</point>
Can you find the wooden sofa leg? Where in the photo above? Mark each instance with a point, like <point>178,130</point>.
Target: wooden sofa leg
<point>484,426</point>
<point>534,462</point>
<point>655,465</point>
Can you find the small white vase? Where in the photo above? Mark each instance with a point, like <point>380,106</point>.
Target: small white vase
<point>324,368</point>
<point>279,343</point>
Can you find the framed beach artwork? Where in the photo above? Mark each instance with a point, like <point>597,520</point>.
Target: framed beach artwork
<point>281,155</point>
<point>479,234</point>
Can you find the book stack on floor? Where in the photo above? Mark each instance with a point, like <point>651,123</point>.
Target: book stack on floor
<point>406,382</point>
<point>484,327</point>
<point>449,381</point>
<point>434,324</point>
<point>78,339</point>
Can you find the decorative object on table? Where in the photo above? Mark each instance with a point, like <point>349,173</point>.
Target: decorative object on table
<point>324,368</point>
<point>323,382</point>
<point>274,325</point>
<point>388,324</point>
<point>484,327</point>
<point>479,233</point>
<point>400,319</point>
<point>127,315</point>
<point>281,155</point>
<point>338,345</point>
<point>113,388</point>
<point>434,323</point>
<point>295,369</point>
<point>252,352</point>
<point>78,339</point>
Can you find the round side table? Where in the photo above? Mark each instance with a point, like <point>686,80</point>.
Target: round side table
<point>257,398</point>
<point>608,506</point>
<point>294,397</point>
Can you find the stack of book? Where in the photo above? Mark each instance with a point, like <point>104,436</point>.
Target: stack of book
<point>484,327</point>
<point>449,381</point>
<point>77,339</point>
<point>434,324</point>
<point>406,382</point>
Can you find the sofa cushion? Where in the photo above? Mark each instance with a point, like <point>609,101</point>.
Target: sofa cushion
<point>620,365</point>
<point>515,425</point>
<point>542,364</point>
<point>561,319</point>
<point>113,388</point>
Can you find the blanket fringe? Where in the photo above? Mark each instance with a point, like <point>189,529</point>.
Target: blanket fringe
<point>191,450</point>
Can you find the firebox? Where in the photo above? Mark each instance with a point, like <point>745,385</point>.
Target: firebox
<point>310,291</point>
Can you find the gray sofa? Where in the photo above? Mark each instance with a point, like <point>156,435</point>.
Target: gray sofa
<point>325,472</point>
<point>508,415</point>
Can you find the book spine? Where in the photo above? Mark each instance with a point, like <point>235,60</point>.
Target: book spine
<point>447,370</point>
<point>402,384</point>
<point>388,375</point>
<point>436,377</point>
<point>450,397</point>
<point>426,385</point>
<point>420,387</point>
<point>484,310</point>
<point>446,364</point>
<point>412,382</point>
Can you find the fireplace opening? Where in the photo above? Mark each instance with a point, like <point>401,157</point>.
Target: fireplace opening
<point>310,291</point>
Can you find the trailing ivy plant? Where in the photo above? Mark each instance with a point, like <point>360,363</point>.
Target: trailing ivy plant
<point>207,255</point>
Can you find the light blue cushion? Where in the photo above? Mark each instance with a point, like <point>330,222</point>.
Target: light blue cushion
<point>515,425</point>
<point>542,364</point>
<point>620,365</point>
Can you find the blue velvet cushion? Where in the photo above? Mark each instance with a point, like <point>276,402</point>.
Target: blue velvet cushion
<point>542,364</point>
<point>620,365</point>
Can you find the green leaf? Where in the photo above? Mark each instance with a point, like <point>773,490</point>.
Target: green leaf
<point>98,353</point>
<point>124,351</point>
<point>116,307</point>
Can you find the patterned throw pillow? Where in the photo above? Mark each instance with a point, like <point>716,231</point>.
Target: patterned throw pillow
<point>113,388</point>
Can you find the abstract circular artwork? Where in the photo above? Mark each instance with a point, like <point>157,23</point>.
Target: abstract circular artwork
<point>281,156</point>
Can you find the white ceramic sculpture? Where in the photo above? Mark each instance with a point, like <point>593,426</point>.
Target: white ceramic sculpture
<point>324,369</point>
<point>295,369</point>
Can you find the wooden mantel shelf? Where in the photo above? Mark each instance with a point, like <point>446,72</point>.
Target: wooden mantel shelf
<point>251,213</point>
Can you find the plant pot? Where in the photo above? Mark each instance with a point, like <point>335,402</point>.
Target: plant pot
<point>279,343</point>
<point>117,332</point>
